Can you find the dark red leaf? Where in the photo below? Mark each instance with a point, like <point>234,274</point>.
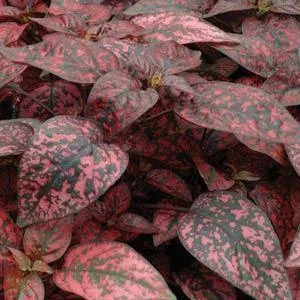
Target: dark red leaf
<point>215,180</point>
<point>110,270</point>
<point>294,276</point>
<point>233,237</point>
<point>91,231</point>
<point>166,221</point>
<point>130,222</point>
<point>66,56</point>
<point>92,13</point>
<point>170,183</point>
<point>48,241</point>
<point>240,109</point>
<point>293,260</point>
<point>101,211</point>
<point>158,6</point>
<point>14,137</point>
<point>182,28</point>
<point>118,198</point>
<point>200,283</point>
<point>117,100</point>
<point>66,168</point>
<point>62,97</point>
<point>279,211</point>
<point>223,66</point>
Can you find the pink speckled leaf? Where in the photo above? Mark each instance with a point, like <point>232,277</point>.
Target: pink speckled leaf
<point>134,223</point>
<point>10,235</point>
<point>243,110</point>
<point>66,168</point>
<point>293,260</point>
<point>20,286</point>
<point>62,97</point>
<point>158,6</point>
<point>166,221</point>
<point>117,100</point>
<point>233,237</point>
<point>214,179</point>
<point>65,56</point>
<point>48,241</point>
<point>284,85</point>
<point>14,137</point>
<point>8,12</point>
<point>11,32</point>
<point>200,283</point>
<point>170,183</point>
<point>223,6</point>
<point>293,152</point>
<point>110,270</point>
<point>9,70</point>
<point>92,13</point>
<point>182,28</point>
<point>286,6</point>
<point>118,198</point>
<point>279,211</point>
<point>67,23</point>
<point>22,261</point>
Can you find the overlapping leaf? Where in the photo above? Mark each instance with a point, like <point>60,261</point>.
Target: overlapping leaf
<point>62,97</point>
<point>66,168</point>
<point>243,110</point>
<point>48,241</point>
<point>233,237</point>
<point>159,6</point>
<point>182,28</point>
<point>89,12</point>
<point>166,221</point>
<point>279,211</point>
<point>66,56</point>
<point>14,137</point>
<point>199,282</point>
<point>293,259</point>
<point>110,270</point>
<point>117,100</point>
<point>11,32</point>
<point>293,152</point>
<point>170,183</point>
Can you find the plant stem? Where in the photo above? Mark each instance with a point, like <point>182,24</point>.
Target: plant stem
<point>157,115</point>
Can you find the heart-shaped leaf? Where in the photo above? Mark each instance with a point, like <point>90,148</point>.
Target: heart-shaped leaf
<point>48,241</point>
<point>14,137</point>
<point>65,56</point>
<point>117,100</point>
<point>233,237</point>
<point>66,168</point>
<point>181,27</point>
<point>110,270</point>
<point>240,109</point>
<point>170,183</point>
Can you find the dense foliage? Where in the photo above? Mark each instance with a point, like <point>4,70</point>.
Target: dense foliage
<point>149,149</point>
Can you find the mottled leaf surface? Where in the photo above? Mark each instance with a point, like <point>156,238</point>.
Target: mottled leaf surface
<point>48,241</point>
<point>182,28</point>
<point>66,168</point>
<point>293,152</point>
<point>11,32</point>
<point>117,100</point>
<point>110,270</point>
<point>234,238</point>
<point>240,109</point>
<point>14,137</point>
<point>170,183</point>
<point>65,56</point>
